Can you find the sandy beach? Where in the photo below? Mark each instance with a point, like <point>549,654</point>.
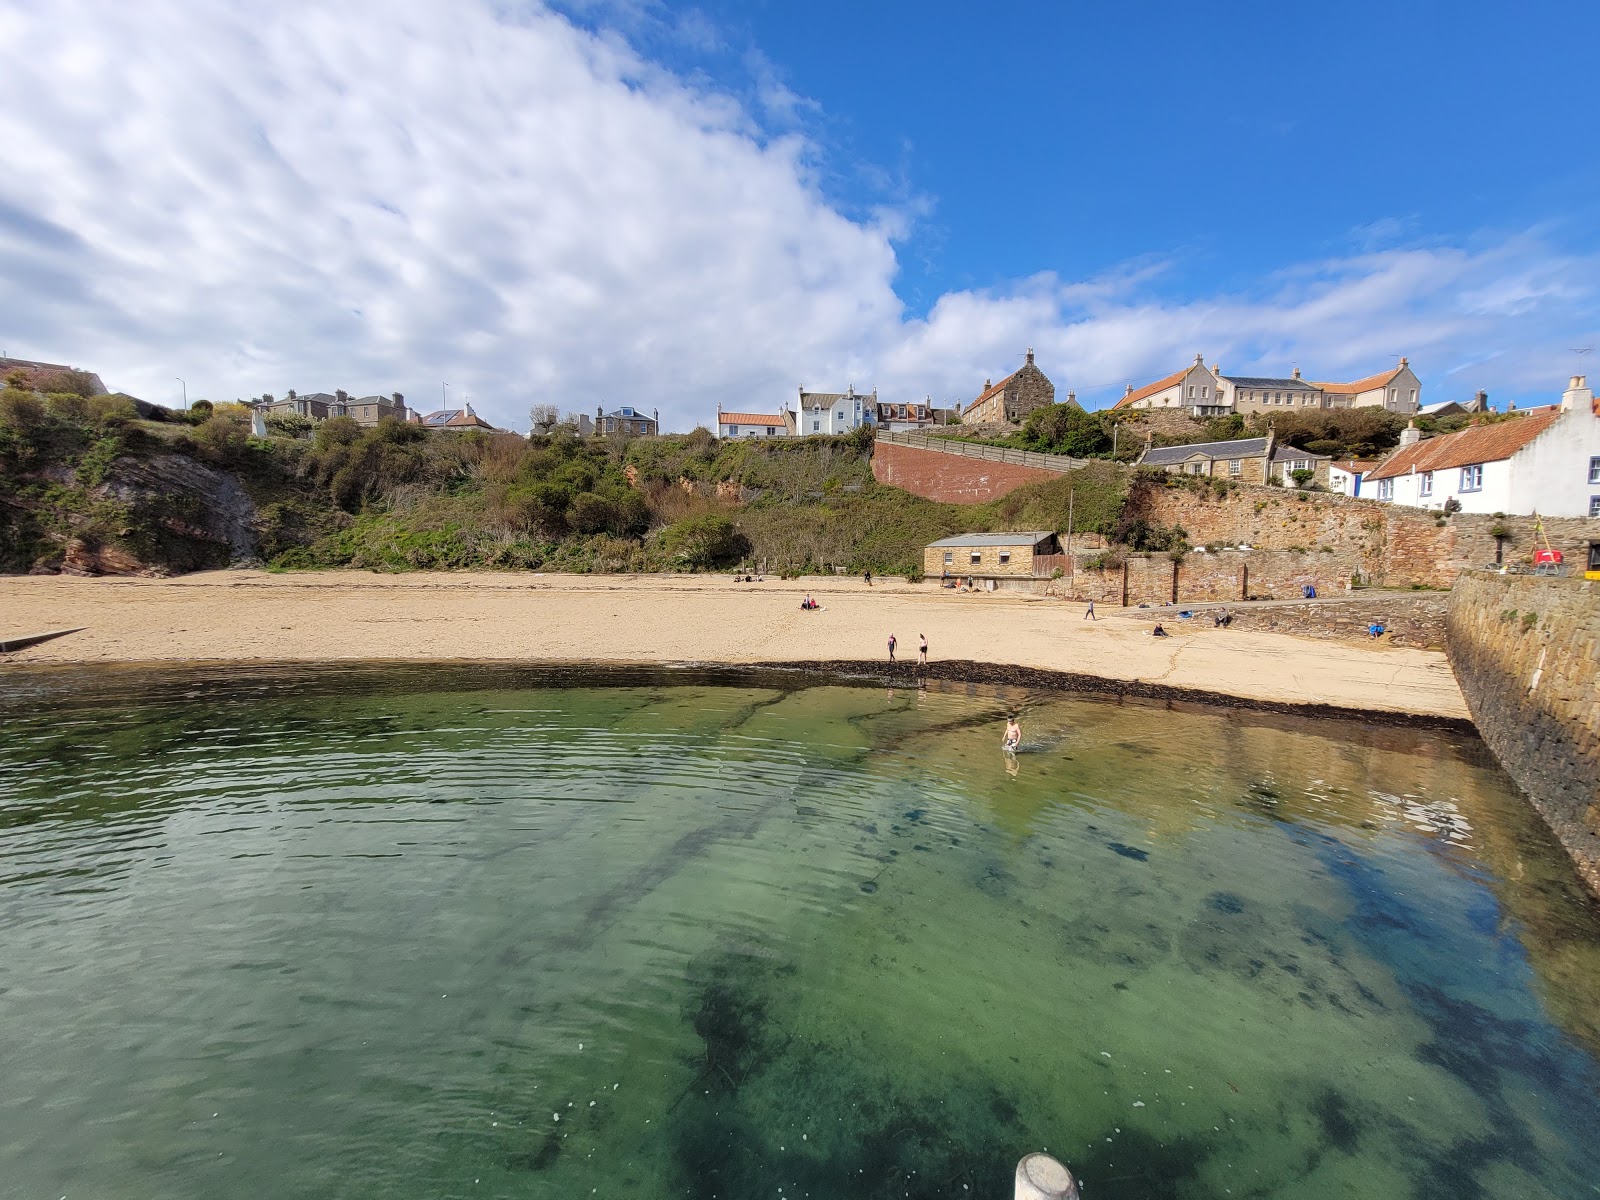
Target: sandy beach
<point>256,616</point>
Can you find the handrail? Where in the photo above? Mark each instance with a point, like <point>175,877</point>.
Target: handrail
<point>1058,463</point>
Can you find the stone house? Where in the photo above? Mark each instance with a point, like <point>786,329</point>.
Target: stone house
<point>366,411</point>
<point>1545,462</point>
<point>626,421</point>
<point>1241,460</point>
<point>1397,391</point>
<point>1013,398</point>
<point>1203,391</point>
<point>1247,394</point>
<point>1195,390</point>
<point>755,425</point>
<point>836,412</point>
<point>990,556</point>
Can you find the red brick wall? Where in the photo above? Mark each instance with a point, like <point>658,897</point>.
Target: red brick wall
<point>949,478</point>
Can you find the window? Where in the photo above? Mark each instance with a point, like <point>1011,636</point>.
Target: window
<point>1385,489</point>
<point>1191,391</point>
<point>733,431</point>
<point>1594,470</point>
<point>1472,478</point>
<point>1005,556</point>
<point>1205,392</point>
<point>1197,468</point>
<point>771,430</point>
<point>1392,393</point>
<point>1235,466</point>
<point>816,425</point>
<point>950,556</point>
<point>1425,484</point>
<point>1594,511</point>
<point>977,556</point>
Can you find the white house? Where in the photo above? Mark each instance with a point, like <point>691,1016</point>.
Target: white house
<point>1546,462</point>
<point>1345,475</point>
<point>836,412</point>
<point>757,425</point>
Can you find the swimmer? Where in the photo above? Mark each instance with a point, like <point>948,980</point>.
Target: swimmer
<point>1013,737</point>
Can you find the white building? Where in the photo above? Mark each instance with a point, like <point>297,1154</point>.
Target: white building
<point>754,425</point>
<point>836,412</point>
<point>1545,462</point>
<point>1345,475</point>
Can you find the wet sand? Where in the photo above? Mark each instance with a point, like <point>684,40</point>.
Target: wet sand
<point>257,616</point>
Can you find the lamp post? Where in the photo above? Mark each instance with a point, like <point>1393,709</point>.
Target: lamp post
<point>444,395</point>
<point>185,393</point>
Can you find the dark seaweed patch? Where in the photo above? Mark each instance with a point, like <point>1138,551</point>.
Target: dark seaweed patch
<point>1225,902</point>
<point>1132,852</point>
<point>869,886</point>
<point>1340,1127</point>
<point>1136,1166</point>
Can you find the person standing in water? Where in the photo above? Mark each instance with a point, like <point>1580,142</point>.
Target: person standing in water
<point>1013,737</point>
<point>891,647</point>
<point>922,650</point>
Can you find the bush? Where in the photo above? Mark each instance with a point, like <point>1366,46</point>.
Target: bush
<point>21,411</point>
<point>707,541</point>
<point>200,410</point>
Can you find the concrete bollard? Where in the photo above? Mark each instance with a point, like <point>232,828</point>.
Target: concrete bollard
<point>1040,1177</point>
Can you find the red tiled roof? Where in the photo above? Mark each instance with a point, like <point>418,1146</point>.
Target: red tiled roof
<point>1480,444</point>
<point>1150,389</point>
<point>994,389</point>
<point>1370,383</point>
<point>1356,466</point>
<point>732,418</point>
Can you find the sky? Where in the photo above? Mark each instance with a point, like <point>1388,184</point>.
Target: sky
<point>673,206</point>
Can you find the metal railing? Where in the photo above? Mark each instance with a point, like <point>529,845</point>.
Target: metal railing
<point>1058,463</point>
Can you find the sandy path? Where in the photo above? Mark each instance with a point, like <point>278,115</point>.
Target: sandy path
<point>316,616</point>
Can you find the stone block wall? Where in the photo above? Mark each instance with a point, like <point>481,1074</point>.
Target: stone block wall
<point>1525,651</point>
<point>950,478</point>
<point>1228,576</point>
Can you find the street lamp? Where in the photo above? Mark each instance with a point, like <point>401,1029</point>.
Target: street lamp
<point>185,393</point>
<point>444,395</point>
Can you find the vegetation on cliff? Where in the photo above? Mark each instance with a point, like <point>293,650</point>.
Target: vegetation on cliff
<point>90,483</point>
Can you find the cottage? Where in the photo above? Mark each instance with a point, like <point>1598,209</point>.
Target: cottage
<point>836,412</point>
<point>456,420</point>
<point>1545,461</point>
<point>992,556</point>
<point>1345,475</point>
<point>906,418</point>
<point>1013,398</point>
<point>1242,460</point>
<point>366,411</point>
<point>626,421</point>
<point>754,425</point>
<point>1398,390</point>
<point>1196,390</point>
<point>1203,391</point>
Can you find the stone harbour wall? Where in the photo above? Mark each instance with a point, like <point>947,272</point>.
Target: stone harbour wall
<point>1526,651</point>
<point>1407,620</point>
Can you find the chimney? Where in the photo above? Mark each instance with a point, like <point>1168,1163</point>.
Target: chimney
<point>1272,441</point>
<point>1410,435</point>
<point>399,400</point>
<point>1296,372</point>
<point>1030,356</point>
<point>987,384</point>
<point>1480,402</point>
<point>291,393</point>
<point>1072,397</point>
<point>266,397</point>
<point>1199,360</point>
<point>466,408</point>
<point>341,395</point>
<point>1129,392</point>
<point>1405,362</point>
<point>1577,394</point>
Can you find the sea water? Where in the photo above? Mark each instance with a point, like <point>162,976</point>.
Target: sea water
<point>485,932</point>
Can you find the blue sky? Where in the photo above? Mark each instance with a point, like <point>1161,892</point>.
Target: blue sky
<point>676,206</point>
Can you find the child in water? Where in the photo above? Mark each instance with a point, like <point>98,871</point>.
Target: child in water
<point>1013,737</point>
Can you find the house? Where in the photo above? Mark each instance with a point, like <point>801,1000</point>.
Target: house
<point>1013,398</point>
<point>906,418</point>
<point>1286,460</point>
<point>1546,461</point>
<point>36,375</point>
<point>456,419</point>
<point>836,412</point>
<point>1204,391</point>
<point>1195,390</point>
<point>626,421</point>
<point>1345,475</point>
<point>992,556</point>
<point>1456,408</point>
<point>1242,460</point>
<point>1397,390</point>
<point>758,425</point>
<point>366,411</point>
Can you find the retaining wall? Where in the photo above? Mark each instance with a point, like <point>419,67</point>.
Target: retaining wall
<point>1525,651</point>
<point>950,478</point>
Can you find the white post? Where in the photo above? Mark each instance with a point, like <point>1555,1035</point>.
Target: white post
<point>1040,1177</point>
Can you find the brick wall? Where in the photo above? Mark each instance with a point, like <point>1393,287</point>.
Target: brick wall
<point>949,478</point>
<point>1524,650</point>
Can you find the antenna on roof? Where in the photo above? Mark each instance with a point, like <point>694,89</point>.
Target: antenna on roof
<point>1582,349</point>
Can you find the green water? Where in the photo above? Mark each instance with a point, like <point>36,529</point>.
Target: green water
<point>489,932</point>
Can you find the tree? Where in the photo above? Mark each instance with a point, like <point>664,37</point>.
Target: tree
<point>544,417</point>
<point>1065,429</point>
<point>705,541</point>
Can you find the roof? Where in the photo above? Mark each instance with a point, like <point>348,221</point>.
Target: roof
<point>389,400</point>
<point>629,414</point>
<point>1028,537</point>
<point>1428,410</point>
<point>1356,466</point>
<point>733,418</point>
<point>1295,454</point>
<point>1150,389</point>
<point>829,399</point>
<point>454,418</point>
<point>1480,444</point>
<point>1370,383</point>
<point>8,365</point>
<point>994,389</point>
<point>1161,456</point>
<point>1257,381</point>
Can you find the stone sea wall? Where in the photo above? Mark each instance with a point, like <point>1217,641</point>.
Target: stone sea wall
<point>1525,651</point>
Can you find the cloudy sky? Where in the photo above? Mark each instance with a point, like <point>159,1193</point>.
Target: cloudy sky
<point>634,202</point>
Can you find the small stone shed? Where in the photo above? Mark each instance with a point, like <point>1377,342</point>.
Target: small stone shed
<point>1031,554</point>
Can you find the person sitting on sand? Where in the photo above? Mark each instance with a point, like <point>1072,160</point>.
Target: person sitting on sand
<point>1013,737</point>
<point>1158,631</point>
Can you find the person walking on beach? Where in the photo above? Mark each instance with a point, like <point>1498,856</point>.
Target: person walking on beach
<point>922,650</point>
<point>1088,613</point>
<point>867,577</point>
<point>891,647</point>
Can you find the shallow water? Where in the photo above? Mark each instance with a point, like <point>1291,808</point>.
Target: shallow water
<point>428,932</point>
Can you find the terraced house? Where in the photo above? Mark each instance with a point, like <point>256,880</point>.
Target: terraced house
<point>1203,391</point>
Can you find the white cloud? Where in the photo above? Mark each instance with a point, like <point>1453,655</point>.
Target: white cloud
<point>395,193</point>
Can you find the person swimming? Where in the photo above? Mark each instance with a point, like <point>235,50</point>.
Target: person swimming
<point>1013,737</point>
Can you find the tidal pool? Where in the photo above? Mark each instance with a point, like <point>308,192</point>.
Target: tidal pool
<point>478,932</point>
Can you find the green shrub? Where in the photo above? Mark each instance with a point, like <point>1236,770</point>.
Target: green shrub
<point>702,542</point>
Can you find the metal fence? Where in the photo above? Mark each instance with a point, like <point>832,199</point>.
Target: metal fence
<point>1058,463</point>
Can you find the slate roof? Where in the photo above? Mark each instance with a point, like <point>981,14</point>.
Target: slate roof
<point>1295,454</point>
<point>1028,537</point>
<point>629,414</point>
<point>454,418</point>
<point>1161,456</point>
<point>1253,381</point>
<point>1150,389</point>
<point>1480,444</point>
<point>823,400</point>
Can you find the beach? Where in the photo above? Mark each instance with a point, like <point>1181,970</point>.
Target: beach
<point>259,616</point>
